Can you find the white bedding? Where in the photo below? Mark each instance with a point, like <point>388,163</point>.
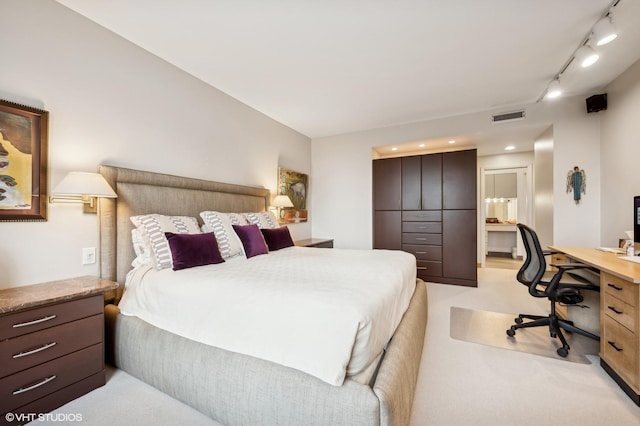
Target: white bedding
<point>327,312</point>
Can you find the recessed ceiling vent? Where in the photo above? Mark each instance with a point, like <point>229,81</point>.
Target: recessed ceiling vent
<point>507,116</point>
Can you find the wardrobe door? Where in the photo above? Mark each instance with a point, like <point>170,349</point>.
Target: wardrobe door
<point>387,230</point>
<point>387,184</point>
<point>432,182</point>
<point>459,180</point>
<point>411,177</point>
<point>459,247</point>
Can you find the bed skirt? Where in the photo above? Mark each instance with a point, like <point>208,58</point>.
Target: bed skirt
<point>236,389</point>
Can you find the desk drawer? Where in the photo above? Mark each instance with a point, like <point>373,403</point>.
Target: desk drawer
<point>622,289</point>
<point>31,320</point>
<point>619,350</point>
<point>32,349</point>
<point>620,311</point>
<point>26,386</point>
<point>430,239</point>
<point>423,252</point>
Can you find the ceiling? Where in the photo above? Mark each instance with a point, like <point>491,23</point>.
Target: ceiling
<point>338,66</point>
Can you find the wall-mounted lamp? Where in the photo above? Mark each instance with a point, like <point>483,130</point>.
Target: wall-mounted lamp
<point>82,187</point>
<point>279,202</point>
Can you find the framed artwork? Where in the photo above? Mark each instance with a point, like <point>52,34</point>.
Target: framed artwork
<point>23,163</point>
<point>295,185</point>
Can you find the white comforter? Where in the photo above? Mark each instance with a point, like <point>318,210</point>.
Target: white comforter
<point>327,312</point>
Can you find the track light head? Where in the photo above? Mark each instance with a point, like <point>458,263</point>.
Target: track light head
<point>604,31</point>
<point>554,90</point>
<point>586,56</point>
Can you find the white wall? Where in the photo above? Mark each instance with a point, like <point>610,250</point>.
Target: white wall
<point>342,171</point>
<point>543,188</point>
<point>111,102</point>
<point>620,154</point>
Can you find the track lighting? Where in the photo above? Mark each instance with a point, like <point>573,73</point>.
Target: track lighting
<point>586,56</point>
<point>604,31</point>
<point>554,90</point>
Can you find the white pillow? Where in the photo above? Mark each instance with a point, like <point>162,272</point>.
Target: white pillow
<point>264,220</point>
<point>141,247</point>
<point>221,224</point>
<point>152,228</point>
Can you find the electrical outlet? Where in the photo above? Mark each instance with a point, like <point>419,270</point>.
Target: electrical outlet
<point>88,255</point>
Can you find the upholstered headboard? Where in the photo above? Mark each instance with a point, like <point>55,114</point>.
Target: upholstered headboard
<point>141,192</point>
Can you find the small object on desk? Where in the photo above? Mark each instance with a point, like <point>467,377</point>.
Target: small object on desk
<point>315,242</point>
<point>612,250</point>
<point>635,259</point>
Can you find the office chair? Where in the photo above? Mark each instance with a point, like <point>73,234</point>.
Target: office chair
<point>562,286</point>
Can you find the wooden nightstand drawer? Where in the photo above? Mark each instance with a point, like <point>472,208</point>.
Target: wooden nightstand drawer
<point>619,350</point>
<point>31,349</point>
<point>28,321</point>
<point>622,289</point>
<point>28,385</point>
<point>620,311</point>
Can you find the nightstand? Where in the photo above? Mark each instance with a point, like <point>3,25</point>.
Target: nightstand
<point>51,344</point>
<point>315,242</point>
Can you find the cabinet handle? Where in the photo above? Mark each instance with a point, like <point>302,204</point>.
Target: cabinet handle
<point>421,239</point>
<point>614,346</point>
<point>614,309</point>
<point>424,268</point>
<point>421,252</point>
<point>614,287</point>
<point>38,321</point>
<point>34,351</point>
<point>37,385</point>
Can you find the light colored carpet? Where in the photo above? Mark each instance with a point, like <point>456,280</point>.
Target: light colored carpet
<point>489,328</point>
<point>458,384</point>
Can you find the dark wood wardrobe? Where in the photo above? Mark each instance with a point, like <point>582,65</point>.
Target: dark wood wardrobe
<point>426,205</point>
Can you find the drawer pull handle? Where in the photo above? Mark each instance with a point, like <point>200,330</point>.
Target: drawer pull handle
<point>421,252</point>
<point>613,308</point>
<point>37,385</point>
<point>613,344</point>
<point>38,321</point>
<point>34,351</point>
<point>423,268</point>
<point>615,287</point>
<point>421,239</point>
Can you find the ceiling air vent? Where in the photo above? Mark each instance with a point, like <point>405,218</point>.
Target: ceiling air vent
<point>508,116</point>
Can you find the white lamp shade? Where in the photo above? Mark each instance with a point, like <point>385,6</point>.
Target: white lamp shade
<point>604,31</point>
<point>554,90</point>
<point>282,201</point>
<point>83,183</point>
<point>586,56</point>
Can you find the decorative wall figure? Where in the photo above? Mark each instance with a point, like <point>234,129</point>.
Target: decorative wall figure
<point>577,182</point>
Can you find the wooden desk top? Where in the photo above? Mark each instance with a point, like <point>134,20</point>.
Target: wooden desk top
<point>605,261</point>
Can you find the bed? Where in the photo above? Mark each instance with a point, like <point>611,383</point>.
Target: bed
<point>229,386</point>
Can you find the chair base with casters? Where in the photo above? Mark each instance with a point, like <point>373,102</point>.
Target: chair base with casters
<point>554,322</point>
<point>563,286</point>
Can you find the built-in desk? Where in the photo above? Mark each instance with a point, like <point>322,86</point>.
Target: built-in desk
<point>619,315</point>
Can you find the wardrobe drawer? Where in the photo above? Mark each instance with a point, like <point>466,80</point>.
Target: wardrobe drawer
<point>28,385</point>
<point>31,349</point>
<point>619,350</point>
<point>422,252</point>
<point>422,216</point>
<point>31,320</point>
<point>622,289</point>
<point>620,311</point>
<point>430,239</point>
<point>429,269</point>
<point>425,227</point>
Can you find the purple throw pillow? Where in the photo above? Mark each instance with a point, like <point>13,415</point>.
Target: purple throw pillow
<point>252,240</point>
<point>277,238</point>
<point>189,250</point>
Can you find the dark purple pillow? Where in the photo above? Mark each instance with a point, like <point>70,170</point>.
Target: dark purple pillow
<point>277,238</point>
<point>189,250</point>
<point>252,240</point>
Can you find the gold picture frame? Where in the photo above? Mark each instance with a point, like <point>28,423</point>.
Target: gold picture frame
<point>296,186</point>
<point>23,163</point>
